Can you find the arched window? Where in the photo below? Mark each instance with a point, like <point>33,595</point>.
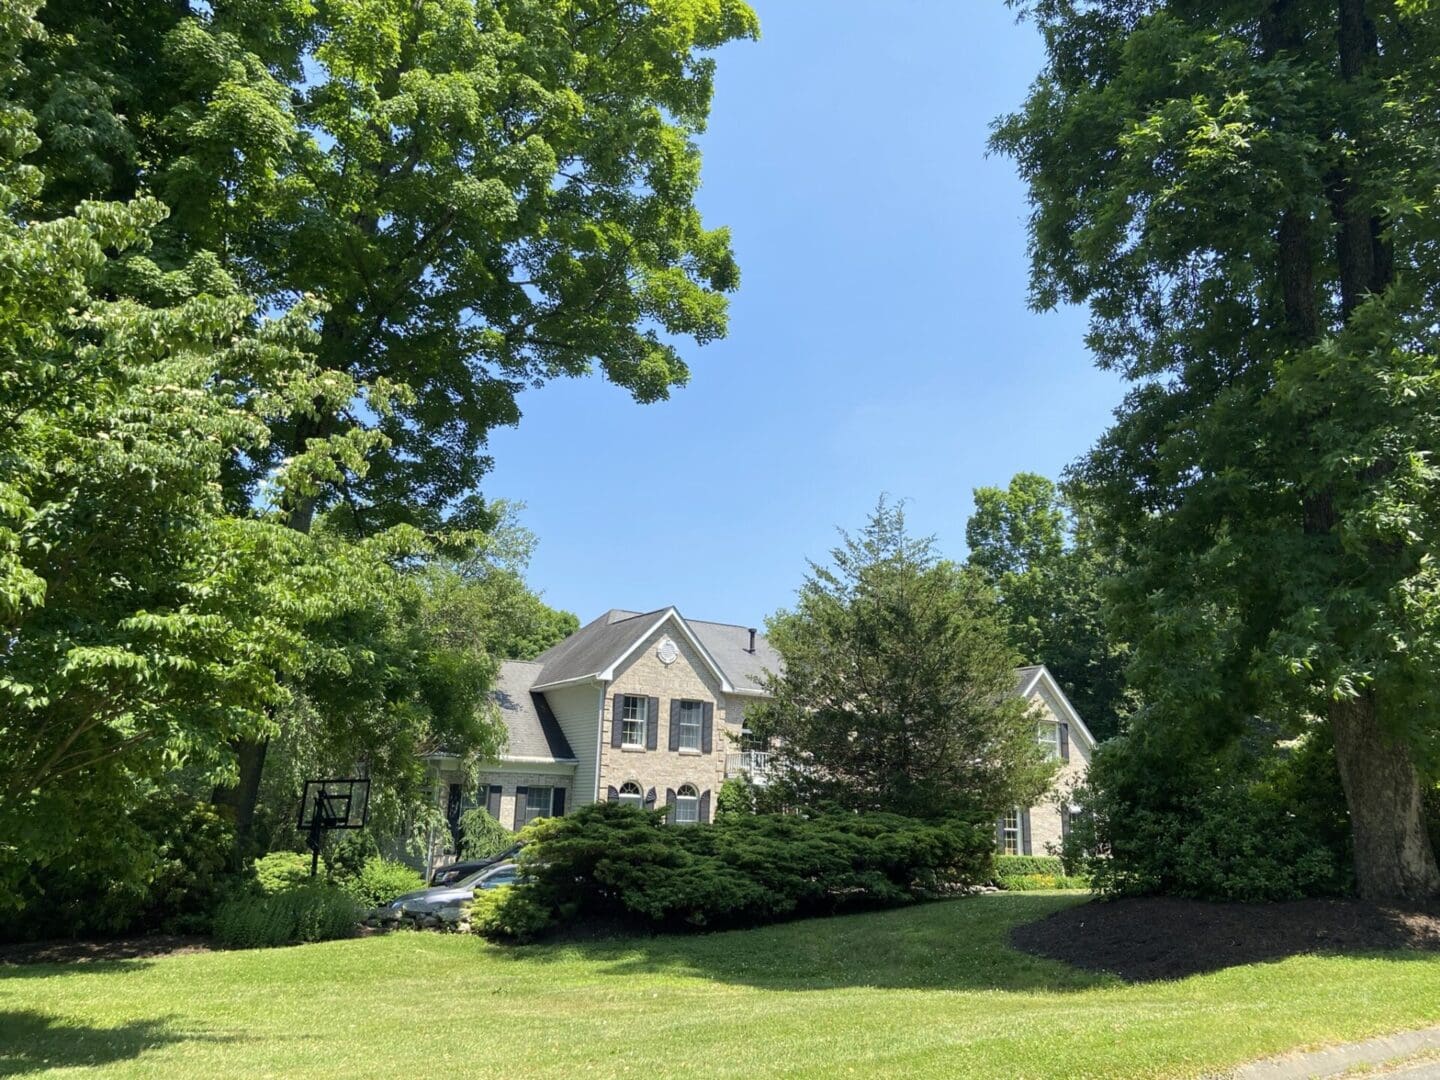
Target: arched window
<point>687,805</point>
<point>631,795</point>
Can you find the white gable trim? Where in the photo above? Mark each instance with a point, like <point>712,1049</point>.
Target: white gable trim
<point>1045,682</point>
<point>670,614</point>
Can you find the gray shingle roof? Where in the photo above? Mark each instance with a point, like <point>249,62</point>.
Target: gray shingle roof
<point>598,644</point>
<point>534,731</point>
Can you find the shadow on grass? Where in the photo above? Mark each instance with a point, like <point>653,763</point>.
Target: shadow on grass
<point>945,945</point>
<point>33,1042</point>
<point>1143,939</point>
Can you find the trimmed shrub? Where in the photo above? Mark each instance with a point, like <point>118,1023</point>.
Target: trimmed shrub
<point>613,862</point>
<point>281,870</point>
<point>381,880</point>
<point>307,913</point>
<point>1033,882</point>
<point>481,836</point>
<point>515,912</point>
<point>1023,865</point>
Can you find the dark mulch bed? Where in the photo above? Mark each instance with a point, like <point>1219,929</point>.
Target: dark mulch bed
<point>70,952</point>
<point>1162,938</point>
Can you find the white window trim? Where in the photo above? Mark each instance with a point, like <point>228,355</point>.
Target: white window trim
<point>1007,833</point>
<point>1051,738</point>
<point>643,719</point>
<point>689,802</point>
<point>628,799</point>
<point>699,726</point>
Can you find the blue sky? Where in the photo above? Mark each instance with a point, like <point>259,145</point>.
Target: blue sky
<point>880,340</point>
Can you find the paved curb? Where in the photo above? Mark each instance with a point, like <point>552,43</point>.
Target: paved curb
<point>1341,1059</point>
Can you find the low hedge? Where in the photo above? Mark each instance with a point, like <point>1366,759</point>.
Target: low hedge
<point>317,912</point>
<point>619,863</point>
<point>1020,865</point>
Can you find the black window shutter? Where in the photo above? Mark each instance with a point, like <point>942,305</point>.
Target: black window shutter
<point>612,794</point>
<point>557,805</point>
<point>652,724</point>
<point>617,720</point>
<point>705,807</point>
<point>1064,742</point>
<point>520,806</point>
<point>707,724</point>
<point>674,724</point>
<point>670,804</point>
<point>492,802</point>
<point>1064,821</point>
<point>1025,831</point>
<point>1000,836</point>
<point>650,797</point>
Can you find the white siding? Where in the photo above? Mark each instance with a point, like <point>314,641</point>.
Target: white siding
<point>577,708</point>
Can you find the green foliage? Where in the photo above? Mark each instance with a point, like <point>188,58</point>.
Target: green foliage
<point>1027,865</point>
<point>481,835</point>
<point>527,173</point>
<point>898,687</point>
<point>1039,882</point>
<point>1243,196</point>
<point>608,862</point>
<point>516,913</point>
<point>164,866</point>
<point>381,880</point>
<point>735,797</point>
<point>1034,543</point>
<point>281,870</point>
<point>319,912</point>
<point>1246,822</point>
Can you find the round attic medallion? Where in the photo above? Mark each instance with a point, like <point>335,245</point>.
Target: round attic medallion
<point>667,652</point>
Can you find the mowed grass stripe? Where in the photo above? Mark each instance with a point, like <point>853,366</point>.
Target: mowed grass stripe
<point>927,991</point>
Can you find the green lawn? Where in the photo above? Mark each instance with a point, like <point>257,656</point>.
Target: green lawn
<point>929,991</point>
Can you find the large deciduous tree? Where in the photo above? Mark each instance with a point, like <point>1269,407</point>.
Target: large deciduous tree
<point>898,686</point>
<point>1243,193</point>
<point>1039,550</point>
<point>485,194</point>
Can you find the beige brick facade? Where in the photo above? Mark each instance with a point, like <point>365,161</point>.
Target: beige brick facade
<point>687,678</point>
<point>1046,827</point>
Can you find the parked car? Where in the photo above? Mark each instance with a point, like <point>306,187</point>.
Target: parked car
<point>431,899</point>
<point>452,873</point>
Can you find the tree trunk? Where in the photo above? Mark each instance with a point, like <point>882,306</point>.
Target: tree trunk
<point>1393,857</point>
<point>241,799</point>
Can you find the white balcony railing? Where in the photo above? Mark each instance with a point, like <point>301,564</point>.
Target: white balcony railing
<point>754,762</point>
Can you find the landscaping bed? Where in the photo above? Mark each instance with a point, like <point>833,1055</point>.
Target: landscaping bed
<point>131,948</point>
<point>1148,938</point>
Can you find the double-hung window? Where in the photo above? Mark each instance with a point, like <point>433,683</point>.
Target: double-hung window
<point>692,715</point>
<point>632,720</point>
<point>1047,734</point>
<point>1010,832</point>
<point>539,802</point>
<point>631,795</point>
<point>687,805</point>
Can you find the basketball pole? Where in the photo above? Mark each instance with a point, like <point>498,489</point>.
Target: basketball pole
<point>315,832</point>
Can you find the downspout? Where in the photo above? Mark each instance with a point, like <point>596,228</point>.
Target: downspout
<point>599,736</point>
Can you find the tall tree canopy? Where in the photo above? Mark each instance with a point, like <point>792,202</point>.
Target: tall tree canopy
<point>1039,551</point>
<point>898,686</point>
<point>1243,193</point>
<point>486,194</point>
<point>481,195</point>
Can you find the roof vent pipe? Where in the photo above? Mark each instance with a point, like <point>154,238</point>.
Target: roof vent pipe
<point>752,640</point>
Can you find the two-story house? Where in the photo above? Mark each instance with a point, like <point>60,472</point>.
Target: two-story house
<point>650,708</point>
<point>645,708</point>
